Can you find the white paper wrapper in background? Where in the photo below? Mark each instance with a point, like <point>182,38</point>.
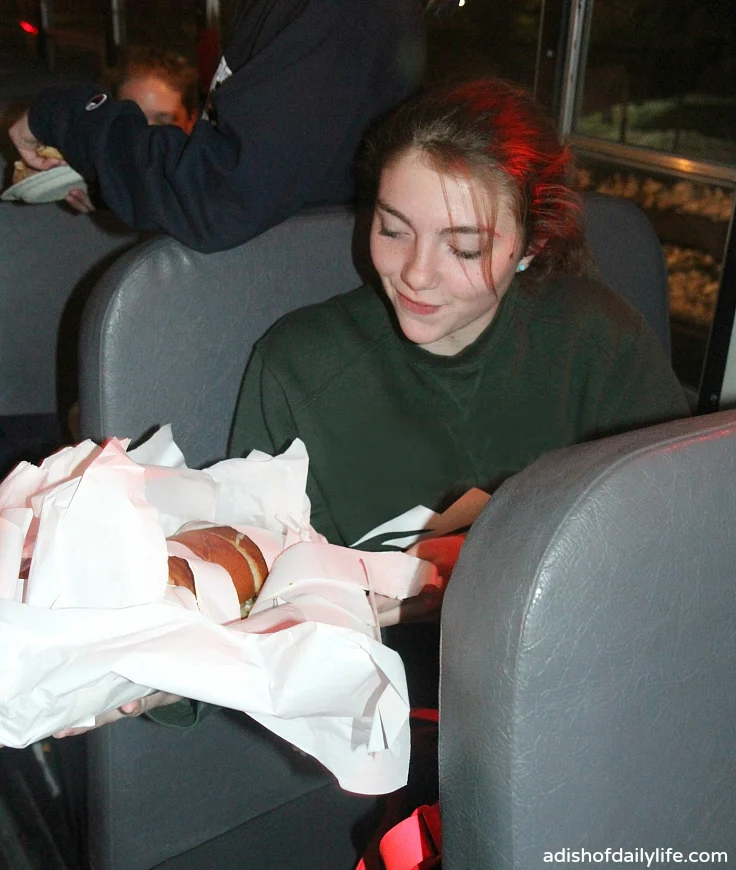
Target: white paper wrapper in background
<point>95,624</point>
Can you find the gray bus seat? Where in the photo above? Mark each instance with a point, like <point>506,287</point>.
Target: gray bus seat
<point>49,260</point>
<point>168,331</point>
<point>226,794</point>
<point>165,338</point>
<point>588,684</point>
<point>629,258</point>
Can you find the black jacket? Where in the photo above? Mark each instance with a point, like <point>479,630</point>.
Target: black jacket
<point>307,77</point>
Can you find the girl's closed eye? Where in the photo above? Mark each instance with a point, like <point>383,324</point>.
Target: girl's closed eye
<point>385,231</point>
<point>466,255</point>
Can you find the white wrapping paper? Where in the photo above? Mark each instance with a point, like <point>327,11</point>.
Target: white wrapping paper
<point>95,625</point>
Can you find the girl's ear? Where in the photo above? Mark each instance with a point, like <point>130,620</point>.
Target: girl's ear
<point>523,264</point>
<point>192,119</point>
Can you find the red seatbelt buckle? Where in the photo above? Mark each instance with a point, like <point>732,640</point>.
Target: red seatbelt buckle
<point>415,843</point>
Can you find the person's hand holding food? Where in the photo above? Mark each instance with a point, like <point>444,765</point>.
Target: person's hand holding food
<point>125,711</point>
<point>224,546</point>
<point>36,155</point>
<point>442,552</point>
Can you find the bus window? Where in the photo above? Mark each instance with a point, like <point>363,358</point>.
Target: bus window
<point>477,37</point>
<point>691,218</point>
<point>649,106</point>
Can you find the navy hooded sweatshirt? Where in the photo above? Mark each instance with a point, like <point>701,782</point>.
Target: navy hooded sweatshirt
<point>299,82</point>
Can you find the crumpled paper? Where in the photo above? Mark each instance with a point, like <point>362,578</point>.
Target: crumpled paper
<point>94,624</point>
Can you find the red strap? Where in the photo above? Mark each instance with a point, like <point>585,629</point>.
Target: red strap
<point>426,714</point>
<point>415,843</point>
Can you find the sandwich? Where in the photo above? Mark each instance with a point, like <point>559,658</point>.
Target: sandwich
<point>232,550</point>
<point>21,170</point>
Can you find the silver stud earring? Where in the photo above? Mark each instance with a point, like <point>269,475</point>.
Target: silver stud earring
<point>522,267</point>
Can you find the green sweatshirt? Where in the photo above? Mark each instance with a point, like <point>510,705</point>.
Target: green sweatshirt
<point>388,425</point>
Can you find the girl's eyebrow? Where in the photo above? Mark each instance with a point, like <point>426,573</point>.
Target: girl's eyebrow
<point>384,206</point>
<point>448,231</point>
<point>453,231</point>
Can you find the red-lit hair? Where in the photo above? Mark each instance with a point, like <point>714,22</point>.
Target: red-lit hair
<point>496,135</point>
<point>171,68</point>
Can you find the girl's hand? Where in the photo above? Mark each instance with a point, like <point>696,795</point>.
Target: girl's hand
<point>79,200</point>
<point>441,552</point>
<point>424,607</point>
<point>126,711</point>
<point>27,145</point>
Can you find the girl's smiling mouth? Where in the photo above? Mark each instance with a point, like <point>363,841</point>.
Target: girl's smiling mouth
<point>416,307</point>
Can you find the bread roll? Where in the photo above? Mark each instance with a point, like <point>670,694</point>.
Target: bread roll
<point>232,550</point>
<point>48,151</point>
<point>22,170</point>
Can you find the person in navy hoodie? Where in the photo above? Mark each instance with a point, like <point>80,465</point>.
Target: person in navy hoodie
<point>298,84</point>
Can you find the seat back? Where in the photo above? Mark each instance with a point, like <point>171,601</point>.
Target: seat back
<point>50,258</point>
<point>588,685</point>
<point>226,794</point>
<point>165,338</point>
<point>629,258</point>
<point>168,331</point>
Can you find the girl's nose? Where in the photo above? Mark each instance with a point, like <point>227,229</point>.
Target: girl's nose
<point>419,271</point>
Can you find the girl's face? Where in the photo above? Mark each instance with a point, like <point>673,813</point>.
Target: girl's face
<point>426,247</point>
<point>159,102</point>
